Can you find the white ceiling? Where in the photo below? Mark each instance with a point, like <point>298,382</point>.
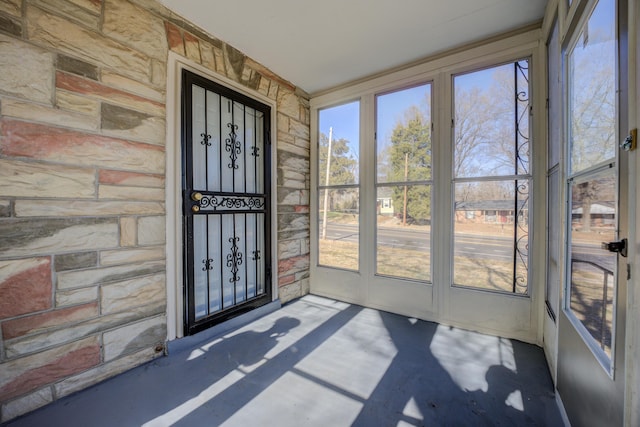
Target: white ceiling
<point>319,44</point>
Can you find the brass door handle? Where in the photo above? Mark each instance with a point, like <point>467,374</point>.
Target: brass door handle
<point>196,197</point>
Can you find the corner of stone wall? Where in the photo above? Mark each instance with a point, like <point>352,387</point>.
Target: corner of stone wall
<point>82,178</point>
<point>293,142</point>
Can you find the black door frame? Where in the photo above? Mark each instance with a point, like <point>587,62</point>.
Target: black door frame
<point>191,325</point>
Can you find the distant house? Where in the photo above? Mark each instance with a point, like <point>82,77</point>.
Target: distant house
<point>490,211</point>
<point>602,214</point>
<point>384,206</point>
<point>384,202</point>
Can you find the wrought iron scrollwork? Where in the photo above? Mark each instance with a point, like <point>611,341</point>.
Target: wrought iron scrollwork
<point>207,264</point>
<point>205,139</point>
<point>231,202</point>
<point>234,259</point>
<point>521,113</point>
<point>233,146</point>
<point>521,253</point>
<point>522,153</point>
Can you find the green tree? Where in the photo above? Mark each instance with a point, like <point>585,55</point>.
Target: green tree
<point>410,164</point>
<point>343,167</point>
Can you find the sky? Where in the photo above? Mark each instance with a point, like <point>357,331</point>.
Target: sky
<point>344,119</point>
<point>390,109</point>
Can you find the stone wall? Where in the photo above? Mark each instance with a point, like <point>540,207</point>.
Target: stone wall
<point>82,179</point>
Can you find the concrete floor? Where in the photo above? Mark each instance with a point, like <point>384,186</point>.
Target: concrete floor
<point>319,362</point>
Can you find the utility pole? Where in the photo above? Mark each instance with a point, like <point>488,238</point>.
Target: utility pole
<point>326,184</point>
<point>406,175</point>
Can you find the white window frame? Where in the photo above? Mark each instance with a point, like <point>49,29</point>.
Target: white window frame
<point>432,303</point>
<point>606,362</point>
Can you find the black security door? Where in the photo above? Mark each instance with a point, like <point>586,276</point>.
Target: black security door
<point>226,164</point>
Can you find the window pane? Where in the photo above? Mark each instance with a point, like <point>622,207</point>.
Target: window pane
<point>338,145</point>
<point>492,121</point>
<point>491,235</point>
<point>338,208</point>
<point>491,215</point>
<point>592,286</point>
<point>338,228</point>
<point>592,90</point>
<point>403,231</point>
<point>403,129</point>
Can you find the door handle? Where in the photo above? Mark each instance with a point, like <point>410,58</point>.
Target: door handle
<point>196,197</point>
<point>620,247</point>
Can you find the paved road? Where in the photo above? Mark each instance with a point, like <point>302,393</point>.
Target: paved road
<point>474,246</point>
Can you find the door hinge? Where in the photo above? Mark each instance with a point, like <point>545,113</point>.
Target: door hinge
<point>628,271</point>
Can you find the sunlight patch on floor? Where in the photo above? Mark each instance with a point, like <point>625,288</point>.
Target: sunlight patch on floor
<point>412,409</point>
<point>515,400</point>
<point>452,347</point>
<point>300,400</point>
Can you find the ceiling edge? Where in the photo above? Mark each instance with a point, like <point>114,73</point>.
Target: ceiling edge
<point>536,25</point>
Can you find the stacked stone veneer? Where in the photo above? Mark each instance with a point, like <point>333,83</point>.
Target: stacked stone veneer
<point>82,187</point>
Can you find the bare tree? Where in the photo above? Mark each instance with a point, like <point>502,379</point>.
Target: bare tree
<point>469,130</point>
<point>593,105</point>
<point>509,135</point>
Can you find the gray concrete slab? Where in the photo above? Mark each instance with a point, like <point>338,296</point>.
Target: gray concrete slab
<point>320,362</point>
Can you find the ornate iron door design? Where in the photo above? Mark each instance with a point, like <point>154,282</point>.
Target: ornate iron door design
<point>226,182</point>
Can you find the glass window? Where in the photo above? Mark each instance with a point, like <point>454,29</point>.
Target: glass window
<point>491,178</point>
<point>593,221</point>
<point>403,171</point>
<point>592,91</point>
<point>592,182</point>
<point>338,190</point>
<point>492,122</point>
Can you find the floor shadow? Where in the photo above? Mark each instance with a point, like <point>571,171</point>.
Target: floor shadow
<point>234,397</point>
<point>318,362</point>
<point>180,389</point>
<point>416,390</point>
